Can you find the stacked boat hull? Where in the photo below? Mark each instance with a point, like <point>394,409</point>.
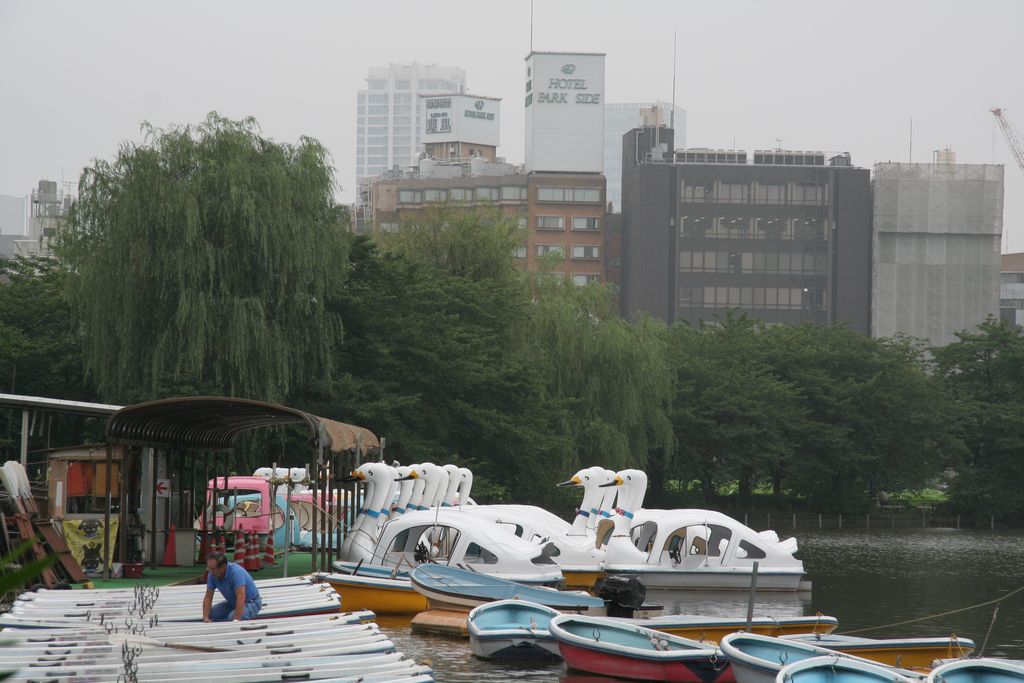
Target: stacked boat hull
<point>151,635</point>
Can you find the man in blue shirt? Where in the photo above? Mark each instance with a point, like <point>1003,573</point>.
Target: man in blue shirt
<point>242,598</point>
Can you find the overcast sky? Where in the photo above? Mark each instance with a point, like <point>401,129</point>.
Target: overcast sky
<point>76,78</point>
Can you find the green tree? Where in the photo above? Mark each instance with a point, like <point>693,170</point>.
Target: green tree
<point>875,418</point>
<point>204,258</point>
<point>611,378</point>
<point>40,350</point>
<point>434,355</point>
<point>984,371</point>
<point>730,412</point>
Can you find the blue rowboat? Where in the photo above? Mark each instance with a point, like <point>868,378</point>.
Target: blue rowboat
<point>758,659</point>
<point>978,671</point>
<point>838,669</point>
<point>512,629</point>
<point>461,590</point>
<point>614,647</point>
<point>379,571</point>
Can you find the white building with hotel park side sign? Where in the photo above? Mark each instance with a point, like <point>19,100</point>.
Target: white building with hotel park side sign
<point>565,112</point>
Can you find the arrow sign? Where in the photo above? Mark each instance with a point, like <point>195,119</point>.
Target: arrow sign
<point>163,488</point>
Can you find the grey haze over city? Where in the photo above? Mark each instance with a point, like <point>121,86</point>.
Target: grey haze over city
<point>76,79</point>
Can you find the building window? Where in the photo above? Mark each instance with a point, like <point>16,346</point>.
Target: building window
<point>388,227</point>
<point>583,279</point>
<point>732,193</point>
<point>435,195</point>
<point>694,226</point>
<point>568,194</point>
<point>487,193</point>
<point>545,249</point>
<point>585,223</point>
<point>410,196</point>
<point>513,193</point>
<point>584,252</point>
<point>809,193</point>
<point>550,222</point>
<point>522,222</point>
<point>458,194</point>
<point>520,252</point>
<point>696,192</point>
<point>809,229</point>
<point>377,84</point>
<point>770,194</point>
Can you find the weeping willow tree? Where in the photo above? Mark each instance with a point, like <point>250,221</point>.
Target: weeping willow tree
<point>613,376</point>
<point>204,257</point>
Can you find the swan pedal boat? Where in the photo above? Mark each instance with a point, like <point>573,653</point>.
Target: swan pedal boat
<point>461,590</point>
<point>911,653</point>
<point>985,670</point>
<point>382,595</point>
<point>837,669</point>
<point>512,629</point>
<point>616,648</point>
<point>758,659</point>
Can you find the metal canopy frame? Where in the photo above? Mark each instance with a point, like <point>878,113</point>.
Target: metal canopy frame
<point>211,424</point>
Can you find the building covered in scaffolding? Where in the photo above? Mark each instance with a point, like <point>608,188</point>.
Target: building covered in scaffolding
<point>936,256</point>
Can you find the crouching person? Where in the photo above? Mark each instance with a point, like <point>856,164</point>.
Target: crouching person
<point>241,597</point>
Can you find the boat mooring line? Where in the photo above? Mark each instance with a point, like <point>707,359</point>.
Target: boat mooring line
<point>996,601</point>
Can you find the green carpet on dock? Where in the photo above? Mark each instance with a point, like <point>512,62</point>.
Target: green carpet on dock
<point>298,563</point>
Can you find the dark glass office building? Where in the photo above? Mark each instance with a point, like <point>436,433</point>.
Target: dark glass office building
<point>783,236</point>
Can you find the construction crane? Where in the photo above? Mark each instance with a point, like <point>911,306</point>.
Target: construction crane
<point>1012,136</point>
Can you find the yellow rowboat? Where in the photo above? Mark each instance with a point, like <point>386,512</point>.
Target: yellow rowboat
<point>383,596</point>
<point>582,579</point>
<point>713,629</point>
<point>908,653</point>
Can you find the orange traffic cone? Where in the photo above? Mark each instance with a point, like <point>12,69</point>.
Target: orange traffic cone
<point>170,551</point>
<point>239,557</point>
<point>257,559</point>
<point>250,557</point>
<point>269,560</point>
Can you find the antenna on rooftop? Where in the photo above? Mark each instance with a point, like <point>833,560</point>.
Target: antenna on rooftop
<point>531,25</point>
<point>778,144</point>
<point>672,111</point>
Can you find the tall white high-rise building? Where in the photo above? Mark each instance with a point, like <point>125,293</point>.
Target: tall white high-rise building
<point>621,117</point>
<point>387,113</point>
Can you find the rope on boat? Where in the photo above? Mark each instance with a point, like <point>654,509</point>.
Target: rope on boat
<point>996,602</point>
<point>995,613</point>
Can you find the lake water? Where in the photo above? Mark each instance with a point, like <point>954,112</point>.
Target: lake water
<point>865,579</point>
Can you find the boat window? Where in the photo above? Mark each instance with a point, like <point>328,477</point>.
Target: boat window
<point>477,555</point>
<point>673,549</point>
<point>643,536</point>
<point>517,529</point>
<point>749,551</point>
<point>549,551</point>
<point>400,540</point>
<point>604,531</point>
<point>719,541</point>
<point>437,543</point>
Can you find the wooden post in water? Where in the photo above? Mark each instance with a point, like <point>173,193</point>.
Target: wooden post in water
<point>924,519</point>
<point>840,520</point>
<point>752,597</point>
<point>867,521</point>
<point>794,520</point>
<point>992,522</point>
<point>745,519</point>
<point>768,524</point>
<point>819,520</point>
<point>958,521</point>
